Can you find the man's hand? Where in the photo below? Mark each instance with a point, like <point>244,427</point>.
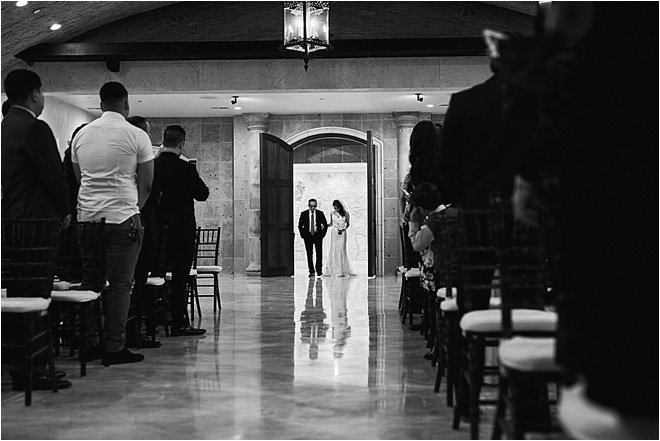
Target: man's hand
<point>523,197</point>
<point>65,222</point>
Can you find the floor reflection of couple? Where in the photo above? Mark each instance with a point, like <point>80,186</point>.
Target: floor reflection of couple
<point>313,328</point>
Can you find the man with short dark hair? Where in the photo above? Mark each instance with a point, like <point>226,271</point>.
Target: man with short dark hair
<point>180,186</point>
<point>33,181</point>
<point>113,162</point>
<point>313,226</point>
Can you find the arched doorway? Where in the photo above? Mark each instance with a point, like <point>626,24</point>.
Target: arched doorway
<point>341,156</point>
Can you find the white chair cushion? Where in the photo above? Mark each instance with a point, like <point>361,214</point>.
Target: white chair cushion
<point>61,285</point>
<point>529,354</point>
<point>24,304</point>
<point>193,273</point>
<point>3,292</point>
<point>73,296</point>
<point>442,292</point>
<point>412,273</point>
<point>489,320</point>
<point>155,281</point>
<point>209,269</point>
<point>449,305</point>
<point>583,418</point>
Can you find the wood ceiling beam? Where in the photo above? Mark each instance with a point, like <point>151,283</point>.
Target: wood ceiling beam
<point>114,53</point>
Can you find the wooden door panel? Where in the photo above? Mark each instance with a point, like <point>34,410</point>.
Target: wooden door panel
<point>276,207</point>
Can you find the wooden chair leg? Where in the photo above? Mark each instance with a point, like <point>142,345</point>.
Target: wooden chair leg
<point>476,366</point>
<point>216,292</point>
<point>83,340</point>
<point>196,295</point>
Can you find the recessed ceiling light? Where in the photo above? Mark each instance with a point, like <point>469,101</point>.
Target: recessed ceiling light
<point>430,105</point>
<point>36,11</point>
<point>21,3</point>
<point>238,108</point>
<point>322,99</point>
<point>55,27</point>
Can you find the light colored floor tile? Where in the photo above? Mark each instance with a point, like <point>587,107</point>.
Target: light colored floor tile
<point>286,358</point>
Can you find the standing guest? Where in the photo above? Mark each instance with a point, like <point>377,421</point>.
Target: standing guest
<point>114,164</point>
<point>33,183</point>
<point>577,166</point>
<point>476,161</point>
<point>145,258</point>
<point>313,226</point>
<point>71,179</point>
<point>180,187</point>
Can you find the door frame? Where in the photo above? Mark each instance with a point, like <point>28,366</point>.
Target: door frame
<point>322,132</point>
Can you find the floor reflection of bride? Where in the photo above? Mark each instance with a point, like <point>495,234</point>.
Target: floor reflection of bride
<point>338,264</point>
<point>338,290</point>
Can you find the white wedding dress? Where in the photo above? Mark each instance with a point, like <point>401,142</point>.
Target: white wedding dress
<point>338,264</point>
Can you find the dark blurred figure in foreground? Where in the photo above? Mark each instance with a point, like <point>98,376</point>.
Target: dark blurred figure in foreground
<point>591,78</point>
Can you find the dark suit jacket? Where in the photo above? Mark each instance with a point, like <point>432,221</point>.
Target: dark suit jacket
<point>321,224</point>
<point>180,185</point>
<point>475,156</point>
<point>33,180</point>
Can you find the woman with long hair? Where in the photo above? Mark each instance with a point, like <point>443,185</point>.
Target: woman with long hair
<point>338,264</point>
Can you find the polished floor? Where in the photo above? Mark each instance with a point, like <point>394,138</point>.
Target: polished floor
<point>286,358</point>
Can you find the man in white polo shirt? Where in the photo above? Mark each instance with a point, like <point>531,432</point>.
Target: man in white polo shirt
<point>113,161</point>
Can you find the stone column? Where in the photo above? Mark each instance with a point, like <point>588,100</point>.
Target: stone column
<point>405,121</point>
<point>257,123</point>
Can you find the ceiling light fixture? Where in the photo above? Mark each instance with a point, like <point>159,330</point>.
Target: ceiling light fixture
<point>419,97</point>
<point>306,28</point>
<point>430,105</point>
<point>21,3</point>
<point>55,27</point>
<point>238,108</point>
<point>234,99</point>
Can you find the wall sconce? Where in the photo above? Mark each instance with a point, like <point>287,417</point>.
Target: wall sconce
<point>419,97</point>
<point>234,99</point>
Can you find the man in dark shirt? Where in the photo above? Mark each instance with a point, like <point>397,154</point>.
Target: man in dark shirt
<point>33,181</point>
<point>180,187</point>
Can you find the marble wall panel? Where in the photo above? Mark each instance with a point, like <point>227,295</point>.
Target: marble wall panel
<point>391,265</point>
<point>347,186</point>
<point>390,207</point>
<point>63,119</point>
<point>211,132</point>
<point>391,188</point>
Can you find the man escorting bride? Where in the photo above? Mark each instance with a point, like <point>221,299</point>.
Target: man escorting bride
<point>338,264</point>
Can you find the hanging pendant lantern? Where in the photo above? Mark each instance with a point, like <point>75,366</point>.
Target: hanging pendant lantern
<point>306,28</point>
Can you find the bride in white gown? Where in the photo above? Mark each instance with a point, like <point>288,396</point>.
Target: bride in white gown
<point>338,264</point>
